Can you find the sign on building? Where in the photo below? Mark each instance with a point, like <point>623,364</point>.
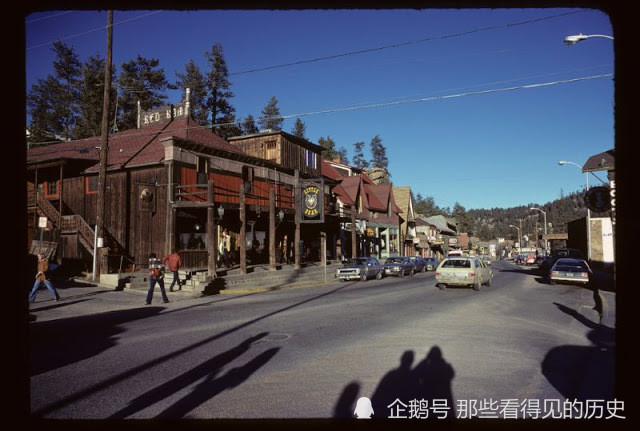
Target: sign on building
<point>312,201</point>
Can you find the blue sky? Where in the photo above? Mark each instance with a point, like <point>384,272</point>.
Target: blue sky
<point>474,106</point>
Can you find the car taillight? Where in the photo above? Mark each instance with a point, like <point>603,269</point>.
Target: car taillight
<point>472,274</point>
<point>554,272</point>
<point>437,272</point>
<point>584,274</point>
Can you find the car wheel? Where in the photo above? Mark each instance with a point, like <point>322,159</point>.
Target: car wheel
<point>401,274</point>
<point>412,272</point>
<point>551,282</point>
<point>379,276</point>
<point>441,286</point>
<point>363,277</point>
<point>476,285</point>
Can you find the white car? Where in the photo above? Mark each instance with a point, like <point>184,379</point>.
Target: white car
<point>463,271</point>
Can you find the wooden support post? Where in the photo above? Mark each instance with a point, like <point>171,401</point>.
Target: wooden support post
<point>211,232</point>
<point>170,216</point>
<point>354,248</point>
<point>272,229</point>
<point>243,232</point>
<point>296,203</point>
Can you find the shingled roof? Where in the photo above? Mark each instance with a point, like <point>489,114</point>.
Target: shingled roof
<point>134,147</point>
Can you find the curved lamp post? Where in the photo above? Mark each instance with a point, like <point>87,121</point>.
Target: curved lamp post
<point>564,162</point>
<point>546,241</point>
<point>572,40</point>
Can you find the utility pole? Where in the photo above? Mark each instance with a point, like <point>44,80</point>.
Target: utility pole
<point>104,149</point>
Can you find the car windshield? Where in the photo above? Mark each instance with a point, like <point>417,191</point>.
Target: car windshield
<point>457,263</point>
<point>358,261</point>
<point>394,260</point>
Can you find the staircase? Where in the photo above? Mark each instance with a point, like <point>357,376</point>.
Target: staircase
<point>258,279</point>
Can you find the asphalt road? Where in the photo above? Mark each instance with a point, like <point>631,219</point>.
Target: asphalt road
<point>313,352</point>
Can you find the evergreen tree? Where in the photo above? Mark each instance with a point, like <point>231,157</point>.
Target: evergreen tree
<point>53,102</point>
<point>222,112</point>
<point>68,70</point>
<point>140,80</point>
<point>249,125</point>
<point>328,144</point>
<point>271,118</point>
<point>378,154</point>
<point>342,153</point>
<point>92,99</point>
<point>193,79</point>
<point>464,221</point>
<point>299,129</point>
<point>358,158</point>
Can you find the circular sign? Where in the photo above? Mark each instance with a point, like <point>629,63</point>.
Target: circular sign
<point>598,199</point>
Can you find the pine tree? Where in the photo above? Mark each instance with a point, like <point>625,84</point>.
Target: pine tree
<point>92,99</point>
<point>249,125</point>
<point>271,118</point>
<point>299,129</point>
<point>140,80</point>
<point>358,158</point>
<point>342,153</point>
<point>193,79</point>
<point>218,102</point>
<point>53,102</point>
<point>328,144</point>
<point>378,153</point>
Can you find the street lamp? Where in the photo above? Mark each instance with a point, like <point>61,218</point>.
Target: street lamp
<point>546,241</point>
<point>519,241</point>
<point>563,162</point>
<point>572,40</point>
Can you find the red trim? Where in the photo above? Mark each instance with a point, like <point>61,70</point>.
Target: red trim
<point>86,187</point>
<point>51,195</point>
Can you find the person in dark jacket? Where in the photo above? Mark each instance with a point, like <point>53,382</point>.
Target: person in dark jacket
<point>41,277</point>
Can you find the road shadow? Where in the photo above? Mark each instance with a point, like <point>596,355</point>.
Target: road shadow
<point>57,343</point>
<point>583,372</point>
<point>346,404</point>
<point>208,369</point>
<point>427,384</point>
<point>212,386</point>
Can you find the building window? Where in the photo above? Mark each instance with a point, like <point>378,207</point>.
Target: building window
<point>271,151</point>
<point>310,159</point>
<point>247,179</point>
<point>202,170</point>
<point>52,190</point>
<point>91,185</point>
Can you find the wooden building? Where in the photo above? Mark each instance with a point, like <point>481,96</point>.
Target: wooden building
<point>168,183</point>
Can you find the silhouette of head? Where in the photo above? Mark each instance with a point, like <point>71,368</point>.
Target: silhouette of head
<point>363,410</point>
<point>407,359</point>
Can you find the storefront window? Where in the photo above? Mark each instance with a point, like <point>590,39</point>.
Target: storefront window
<point>393,240</point>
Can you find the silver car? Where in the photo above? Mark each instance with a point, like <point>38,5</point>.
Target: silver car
<point>360,268</point>
<point>568,270</point>
<point>463,271</point>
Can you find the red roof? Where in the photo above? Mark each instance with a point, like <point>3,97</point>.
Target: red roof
<point>329,171</point>
<point>132,147</point>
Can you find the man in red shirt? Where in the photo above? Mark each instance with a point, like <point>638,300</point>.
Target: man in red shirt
<point>174,262</point>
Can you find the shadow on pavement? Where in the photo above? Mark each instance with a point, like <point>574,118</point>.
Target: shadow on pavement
<point>430,380</point>
<point>208,369</point>
<point>583,372</point>
<point>61,342</point>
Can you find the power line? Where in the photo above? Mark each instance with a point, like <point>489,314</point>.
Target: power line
<point>380,105</point>
<point>93,30</point>
<point>401,44</point>
<point>47,17</point>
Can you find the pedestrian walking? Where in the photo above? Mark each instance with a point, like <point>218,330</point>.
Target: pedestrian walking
<point>156,275</point>
<point>223,249</point>
<point>41,277</point>
<point>174,262</point>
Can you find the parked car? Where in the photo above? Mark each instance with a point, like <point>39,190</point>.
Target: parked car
<point>419,263</point>
<point>570,270</point>
<point>572,253</point>
<point>540,259</point>
<point>432,263</point>
<point>398,266</point>
<point>360,268</point>
<point>530,258</point>
<point>463,271</point>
